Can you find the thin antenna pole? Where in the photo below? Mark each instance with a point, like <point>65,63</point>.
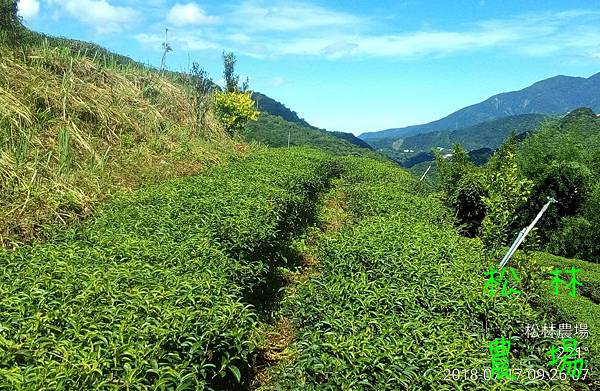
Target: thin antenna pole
<point>524,233</point>
<point>425,173</point>
<point>166,48</point>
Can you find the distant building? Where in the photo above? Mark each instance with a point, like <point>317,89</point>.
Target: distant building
<point>447,155</point>
<point>408,151</point>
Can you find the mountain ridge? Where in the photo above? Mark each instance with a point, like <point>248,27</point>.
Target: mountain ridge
<point>555,95</point>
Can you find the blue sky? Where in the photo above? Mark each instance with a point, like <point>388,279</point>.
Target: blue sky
<point>349,65</point>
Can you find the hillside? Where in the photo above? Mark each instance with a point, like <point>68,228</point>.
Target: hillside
<point>488,134</point>
<point>108,125</point>
<point>562,159</point>
<point>251,275</point>
<point>556,95</point>
<point>273,107</point>
<point>77,127</point>
<point>274,131</point>
<point>352,139</point>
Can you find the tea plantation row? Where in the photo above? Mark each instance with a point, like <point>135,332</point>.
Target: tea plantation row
<point>151,292</point>
<point>582,309</point>
<point>398,302</point>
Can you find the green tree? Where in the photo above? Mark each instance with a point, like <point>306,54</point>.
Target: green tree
<point>452,169</point>
<point>463,186</point>
<point>232,80</point>
<point>467,202</point>
<point>10,22</point>
<point>506,193</point>
<point>234,107</point>
<point>202,86</point>
<point>578,236</point>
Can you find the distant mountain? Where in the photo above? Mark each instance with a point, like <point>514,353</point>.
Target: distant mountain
<point>479,157</point>
<point>489,134</point>
<point>556,95</point>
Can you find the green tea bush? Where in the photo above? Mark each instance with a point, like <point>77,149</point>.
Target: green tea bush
<point>399,301</point>
<point>151,292</point>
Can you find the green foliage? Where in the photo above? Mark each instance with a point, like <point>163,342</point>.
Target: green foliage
<point>467,200</point>
<point>234,107</point>
<point>506,193</point>
<point>489,134</point>
<point>232,80</point>
<point>582,309</point>
<point>464,187</point>
<point>451,171</point>
<point>268,105</point>
<point>398,298</point>
<point>9,17</point>
<point>578,236</point>
<point>562,158</point>
<point>150,293</point>
<point>569,182</point>
<point>274,132</point>
<point>234,110</point>
<point>10,22</point>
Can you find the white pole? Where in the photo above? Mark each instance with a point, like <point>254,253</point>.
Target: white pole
<point>524,233</point>
<point>425,173</point>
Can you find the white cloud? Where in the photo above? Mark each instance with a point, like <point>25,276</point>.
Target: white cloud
<point>29,9</point>
<point>184,42</point>
<point>405,45</point>
<point>277,81</point>
<point>99,14</point>
<point>262,29</point>
<point>333,35</point>
<point>239,37</point>
<point>291,16</point>
<point>189,14</point>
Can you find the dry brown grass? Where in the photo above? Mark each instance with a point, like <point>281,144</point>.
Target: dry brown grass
<point>73,131</point>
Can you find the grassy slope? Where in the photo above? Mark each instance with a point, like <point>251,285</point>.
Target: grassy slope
<point>93,127</point>
<point>77,127</point>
